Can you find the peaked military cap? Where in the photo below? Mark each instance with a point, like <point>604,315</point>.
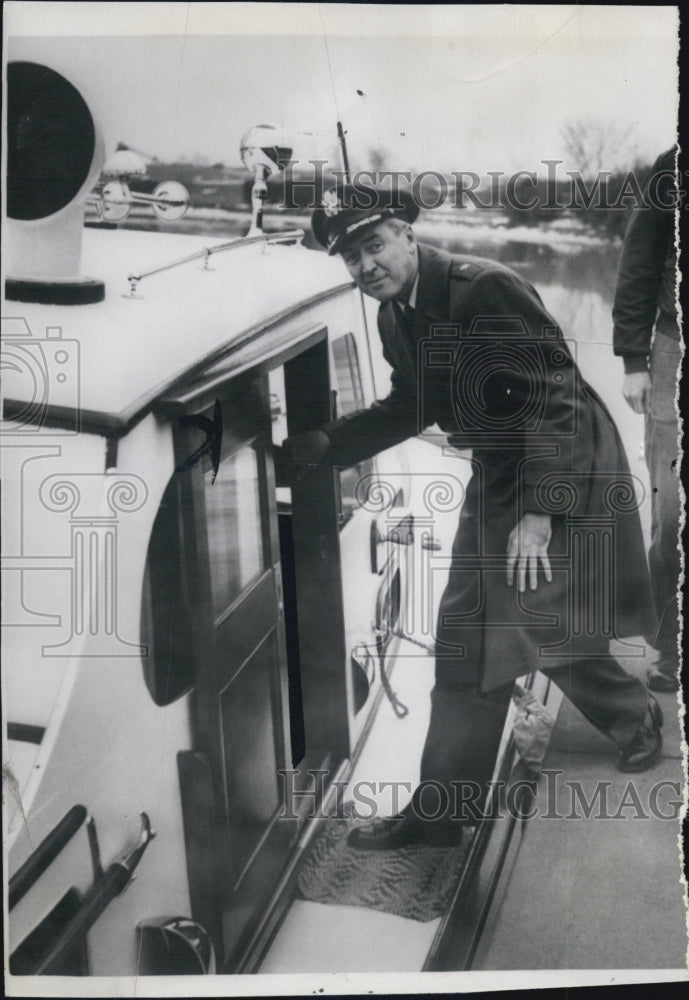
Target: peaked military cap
<point>347,209</point>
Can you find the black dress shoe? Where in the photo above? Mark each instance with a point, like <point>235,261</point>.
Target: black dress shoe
<point>400,831</point>
<point>663,677</point>
<point>644,748</point>
<point>659,681</point>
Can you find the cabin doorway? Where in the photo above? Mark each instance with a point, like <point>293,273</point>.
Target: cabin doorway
<point>269,702</point>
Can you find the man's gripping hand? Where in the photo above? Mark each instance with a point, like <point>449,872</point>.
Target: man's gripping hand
<point>299,452</point>
<point>307,448</point>
<point>636,389</point>
<point>528,543</point>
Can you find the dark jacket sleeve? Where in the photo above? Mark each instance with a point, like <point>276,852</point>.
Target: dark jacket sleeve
<point>387,422</point>
<point>644,252</point>
<point>536,384</point>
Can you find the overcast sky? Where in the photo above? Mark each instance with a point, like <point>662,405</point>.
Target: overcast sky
<point>447,88</point>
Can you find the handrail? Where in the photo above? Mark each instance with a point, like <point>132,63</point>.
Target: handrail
<point>46,852</point>
<point>207,252</point>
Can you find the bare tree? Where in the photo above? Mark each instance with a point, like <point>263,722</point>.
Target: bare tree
<point>594,144</point>
<point>378,159</point>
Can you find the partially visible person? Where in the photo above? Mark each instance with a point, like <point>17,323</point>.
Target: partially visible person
<point>647,338</point>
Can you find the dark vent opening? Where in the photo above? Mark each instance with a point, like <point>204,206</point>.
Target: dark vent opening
<point>51,140</point>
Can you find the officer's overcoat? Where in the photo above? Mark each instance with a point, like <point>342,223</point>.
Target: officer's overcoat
<point>485,361</point>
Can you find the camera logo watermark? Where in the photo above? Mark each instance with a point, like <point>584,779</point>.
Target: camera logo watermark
<point>40,376</point>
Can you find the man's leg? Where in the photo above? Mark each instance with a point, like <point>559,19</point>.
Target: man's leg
<point>663,556</point>
<point>457,764</point>
<point>617,704</point>
<point>461,746</point>
<point>465,726</point>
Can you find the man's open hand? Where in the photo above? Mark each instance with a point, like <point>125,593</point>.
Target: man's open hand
<point>636,389</point>
<point>528,543</point>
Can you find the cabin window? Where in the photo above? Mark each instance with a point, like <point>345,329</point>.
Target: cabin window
<point>233,510</point>
<point>278,404</point>
<point>165,618</point>
<point>350,397</point>
<point>278,420</point>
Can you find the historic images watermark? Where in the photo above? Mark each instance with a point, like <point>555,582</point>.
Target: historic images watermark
<point>548,187</point>
<point>551,797</point>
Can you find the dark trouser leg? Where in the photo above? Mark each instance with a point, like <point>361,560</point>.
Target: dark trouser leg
<point>661,453</point>
<point>466,726</point>
<point>461,747</point>
<point>614,701</point>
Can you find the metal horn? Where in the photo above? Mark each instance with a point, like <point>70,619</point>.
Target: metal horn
<point>264,153</point>
<point>170,200</point>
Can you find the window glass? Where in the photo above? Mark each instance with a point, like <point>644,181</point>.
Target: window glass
<point>350,397</point>
<point>278,406</point>
<point>278,424</point>
<point>233,521</point>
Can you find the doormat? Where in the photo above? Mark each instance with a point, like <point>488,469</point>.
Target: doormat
<point>414,881</point>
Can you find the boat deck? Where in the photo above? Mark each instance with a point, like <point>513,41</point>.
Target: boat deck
<point>598,893</point>
<point>584,893</point>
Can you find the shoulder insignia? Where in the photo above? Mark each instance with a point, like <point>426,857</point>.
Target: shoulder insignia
<point>467,269</point>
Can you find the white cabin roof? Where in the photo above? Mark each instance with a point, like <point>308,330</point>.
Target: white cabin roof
<point>131,349</point>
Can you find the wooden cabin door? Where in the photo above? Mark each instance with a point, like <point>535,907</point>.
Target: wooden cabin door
<point>238,834</point>
<point>236,838</point>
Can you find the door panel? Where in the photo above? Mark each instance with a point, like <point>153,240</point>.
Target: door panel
<point>240,631</point>
<point>250,755</point>
<point>237,843</point>
<point>230,531</point>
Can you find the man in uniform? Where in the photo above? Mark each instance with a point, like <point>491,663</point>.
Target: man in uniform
<point>550,504</point>
<point>646,336</point>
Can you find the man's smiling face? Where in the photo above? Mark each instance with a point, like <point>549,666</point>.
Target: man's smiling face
<point>383,260</point>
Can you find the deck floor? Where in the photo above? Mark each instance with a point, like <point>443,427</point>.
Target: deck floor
<point>598,893</point>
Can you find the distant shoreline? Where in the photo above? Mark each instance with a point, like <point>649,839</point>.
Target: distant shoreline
<point>562,236</point>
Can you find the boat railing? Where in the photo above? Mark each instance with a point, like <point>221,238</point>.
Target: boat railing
<point>290,236</point>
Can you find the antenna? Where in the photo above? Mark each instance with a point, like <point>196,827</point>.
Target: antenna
<point>340,130</point>
<point>343,147</point>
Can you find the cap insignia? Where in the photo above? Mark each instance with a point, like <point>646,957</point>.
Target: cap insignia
<point>331,204</point>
